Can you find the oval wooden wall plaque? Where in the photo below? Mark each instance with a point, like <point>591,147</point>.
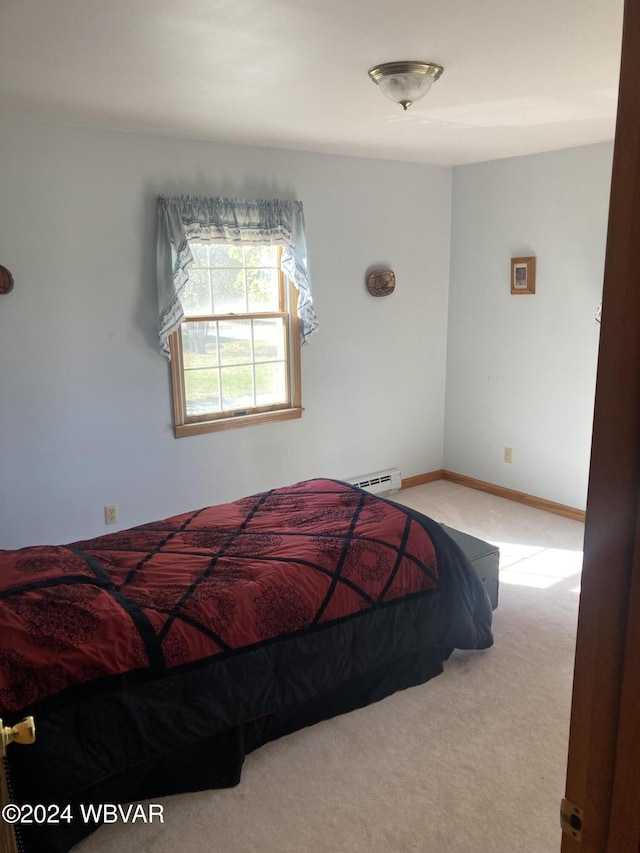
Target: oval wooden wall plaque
<point>6,280</point>
<point>381,282</point>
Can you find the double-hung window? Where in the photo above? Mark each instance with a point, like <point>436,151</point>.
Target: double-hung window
<point>236,356</point>
<point>235,305</point>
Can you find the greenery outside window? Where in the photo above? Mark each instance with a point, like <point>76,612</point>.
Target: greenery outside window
<point>235,359</point>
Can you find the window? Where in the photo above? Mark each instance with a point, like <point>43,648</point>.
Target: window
<point>235,305</point>
<point>235,359</point>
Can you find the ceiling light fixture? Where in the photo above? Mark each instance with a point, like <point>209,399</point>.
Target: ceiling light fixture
<point>405,82</point>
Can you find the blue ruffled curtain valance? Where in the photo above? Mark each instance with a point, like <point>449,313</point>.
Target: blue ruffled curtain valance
<point>226,220</point>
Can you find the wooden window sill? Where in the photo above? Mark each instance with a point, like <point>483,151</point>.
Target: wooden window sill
<point>200,427</point>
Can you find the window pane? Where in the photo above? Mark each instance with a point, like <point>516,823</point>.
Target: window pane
<point>225,256</point>
<point>229,294</point>
<point>199,344</point>
<point>262,289</point>
<point>271,384</point>
<point>235,341</point>
<point>200,254</point>
<point>202,391</point>
<point>196,294</point>
<point>269,339</point>
<point>237,387</point>
<point>261,256</point>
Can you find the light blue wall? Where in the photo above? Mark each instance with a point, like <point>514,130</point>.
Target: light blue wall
<point>521,369</point>
<point>85,412</point>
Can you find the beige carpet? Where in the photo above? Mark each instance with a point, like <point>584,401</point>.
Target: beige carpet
<point>472,762</point>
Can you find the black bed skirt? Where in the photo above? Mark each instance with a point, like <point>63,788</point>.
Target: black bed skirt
<point>215,761</point>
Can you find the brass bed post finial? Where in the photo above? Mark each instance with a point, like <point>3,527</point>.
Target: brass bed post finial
<point>22,732</point>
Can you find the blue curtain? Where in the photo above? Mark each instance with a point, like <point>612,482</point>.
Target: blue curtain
<point>227,220</point>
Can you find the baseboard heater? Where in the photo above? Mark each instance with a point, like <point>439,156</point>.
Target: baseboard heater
<point>381,481</point>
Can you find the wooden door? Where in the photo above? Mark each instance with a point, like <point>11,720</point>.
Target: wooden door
<point>603,775</point>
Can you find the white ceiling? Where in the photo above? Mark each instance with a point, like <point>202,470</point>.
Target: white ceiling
<point>520,76</point>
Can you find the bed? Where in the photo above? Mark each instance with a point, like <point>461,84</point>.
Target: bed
<point>154,659</point>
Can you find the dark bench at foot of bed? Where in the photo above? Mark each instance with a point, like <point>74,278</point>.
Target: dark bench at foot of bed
<point>483,556</point>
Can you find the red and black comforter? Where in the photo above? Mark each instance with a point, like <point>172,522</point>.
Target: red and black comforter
<point>176,631</point>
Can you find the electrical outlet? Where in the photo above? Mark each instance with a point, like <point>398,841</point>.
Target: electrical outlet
<point>508,454</point>
<point>111,514</point>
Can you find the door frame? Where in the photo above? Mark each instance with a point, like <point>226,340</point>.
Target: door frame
<point>603,771</point>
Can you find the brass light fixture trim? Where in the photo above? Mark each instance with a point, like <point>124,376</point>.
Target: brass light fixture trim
<point>405,82</point>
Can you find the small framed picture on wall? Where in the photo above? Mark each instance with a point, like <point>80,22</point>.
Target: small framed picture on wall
<point>523,275</point>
